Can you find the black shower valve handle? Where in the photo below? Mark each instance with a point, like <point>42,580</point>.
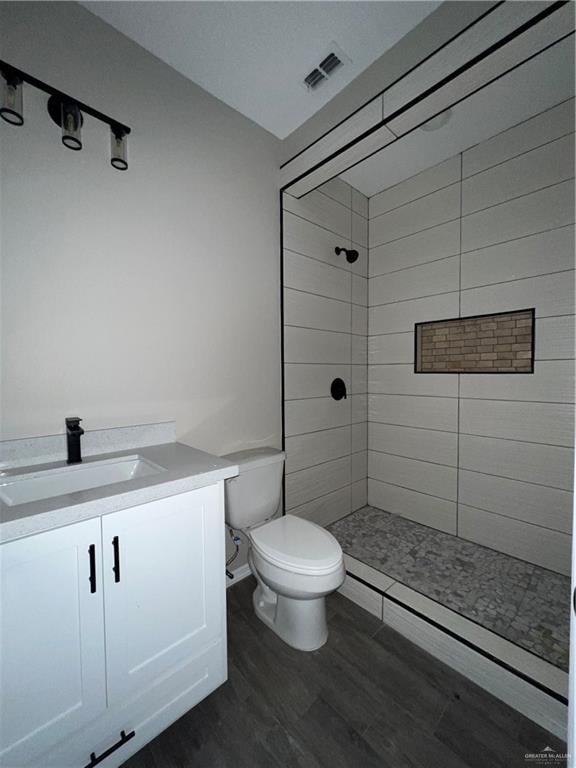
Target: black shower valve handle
<point>338,389</point>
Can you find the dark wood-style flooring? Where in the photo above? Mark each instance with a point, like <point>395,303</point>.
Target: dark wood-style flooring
<point>368,699</point>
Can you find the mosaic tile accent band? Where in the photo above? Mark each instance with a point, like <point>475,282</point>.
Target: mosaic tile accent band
<point>500,343</point>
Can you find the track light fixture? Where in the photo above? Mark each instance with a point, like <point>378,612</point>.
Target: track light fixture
<point>65,111</point>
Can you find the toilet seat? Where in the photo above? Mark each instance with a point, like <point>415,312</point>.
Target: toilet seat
<point>296,545</point>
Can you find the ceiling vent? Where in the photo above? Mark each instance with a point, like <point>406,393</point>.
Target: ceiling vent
<point>314,78</point>
<point>331,62</point>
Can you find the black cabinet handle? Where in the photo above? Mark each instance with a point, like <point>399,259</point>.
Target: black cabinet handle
<point>92,558</point>
<point>124,737</point>
<point>116,566</point>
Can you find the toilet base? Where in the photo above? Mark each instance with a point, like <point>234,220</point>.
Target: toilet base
<point>301,624</point>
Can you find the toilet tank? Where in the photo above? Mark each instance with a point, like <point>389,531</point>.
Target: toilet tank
<point>254,495</point>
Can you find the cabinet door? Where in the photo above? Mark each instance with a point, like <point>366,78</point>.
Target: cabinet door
<point>164,586</point>
<point>52,672</point>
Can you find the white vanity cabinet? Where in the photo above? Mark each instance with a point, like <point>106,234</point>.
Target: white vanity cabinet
<point>52,665</point>
<point>112,628</point>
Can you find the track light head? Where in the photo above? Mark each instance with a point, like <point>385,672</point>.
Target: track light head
<point>118,148</point>
<point>67,115</point>
<point>11,109</point>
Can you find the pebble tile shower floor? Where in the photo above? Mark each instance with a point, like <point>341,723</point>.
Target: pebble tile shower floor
<point>520,601</point>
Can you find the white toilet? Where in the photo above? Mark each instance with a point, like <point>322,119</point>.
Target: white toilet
<point>296,562</point>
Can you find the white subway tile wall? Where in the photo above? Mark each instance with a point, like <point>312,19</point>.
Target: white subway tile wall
<point>487,457</point>
<point>325,337</point>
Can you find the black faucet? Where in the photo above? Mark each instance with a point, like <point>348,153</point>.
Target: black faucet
<point>73,434</point>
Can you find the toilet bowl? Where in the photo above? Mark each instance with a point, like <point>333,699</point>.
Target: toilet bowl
<point>296,563</point>
<point>291,591</point>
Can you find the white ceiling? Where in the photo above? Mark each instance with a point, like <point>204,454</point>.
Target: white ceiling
<point>255,55</point>
<point>532,88</point>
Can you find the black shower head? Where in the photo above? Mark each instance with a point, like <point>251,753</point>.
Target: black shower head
<point>351,255</point>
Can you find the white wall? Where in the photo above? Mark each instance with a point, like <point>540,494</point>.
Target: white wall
<point>325,327</point>
<point>143,296</point>
<point>486,457</point>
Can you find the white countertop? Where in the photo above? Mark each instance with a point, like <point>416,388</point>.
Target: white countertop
<point>185,469</point>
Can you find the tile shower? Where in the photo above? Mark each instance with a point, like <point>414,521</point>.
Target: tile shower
<point>325,337</point>
<point>468,477</point>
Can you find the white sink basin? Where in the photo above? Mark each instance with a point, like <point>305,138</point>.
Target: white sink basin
<point>45,484</point>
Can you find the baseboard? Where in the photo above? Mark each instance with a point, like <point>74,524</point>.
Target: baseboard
<point>242,572</point>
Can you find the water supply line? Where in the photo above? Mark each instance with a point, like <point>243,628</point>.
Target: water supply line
<point>236,541</point>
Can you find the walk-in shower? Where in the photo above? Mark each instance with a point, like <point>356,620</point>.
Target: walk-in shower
<point>446,474</point>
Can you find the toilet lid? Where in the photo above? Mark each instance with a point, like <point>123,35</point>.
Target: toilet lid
<point>296,544</point>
